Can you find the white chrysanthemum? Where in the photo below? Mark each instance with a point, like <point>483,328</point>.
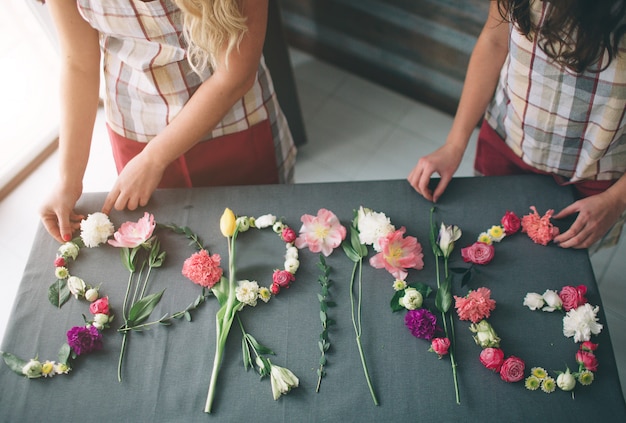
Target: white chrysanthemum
<point>247,292</point>
<point>399,285</point>
<point>533,301</point>
<point>581,323</point>
<point>265,221</point>
<point>372,226</point>
<point>412,299</point>
<point>552,299</point>
<point>96,229</point>
<point>68,250</point>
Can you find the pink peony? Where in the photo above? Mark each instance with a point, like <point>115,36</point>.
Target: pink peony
<point>321,233</point>
<point>492,358</point>
<point>587,359</point>
<point>100,306</point>
<point>476,306</point>
<point>203,269</point>
<point>572,297</point>
<point>538,228</point>
<point>398,254</point>
<point>510,222</point>
<point>478,253</point>
<point>512,369</point>
<point>133,234</point>
<point>440,346</point>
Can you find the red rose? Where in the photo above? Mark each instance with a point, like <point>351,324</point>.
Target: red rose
<point>512,369</point>
<point>100,306</point>
<point>288,235</point>
<point>492,358</point>
<point>587,359</point>
<point>283,278</point>
<point>440,346</point>
<point>573,297</point>
<point>59,262</point>
<point>478,253</point>
<point>588,346</point>
<point>510,222</point>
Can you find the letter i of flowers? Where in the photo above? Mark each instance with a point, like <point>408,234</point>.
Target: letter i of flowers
<point>442,243</point>
<point>322,234</point>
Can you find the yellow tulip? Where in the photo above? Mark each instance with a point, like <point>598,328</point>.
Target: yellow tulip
<point>228,223</point>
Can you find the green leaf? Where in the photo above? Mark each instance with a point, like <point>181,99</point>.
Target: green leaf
<point>434,234</point>
<point>395,301</point>
<point>352,255</point>
<point>58,293</point>
<point>15,363</point>
<point>259,348</point>
<point>323,316</point>
<point>422,288</point>
<point>187,316</point>
<point>443,300</point>
<point>65,352</point>
<point>247,362</point>
<point>141,310</point>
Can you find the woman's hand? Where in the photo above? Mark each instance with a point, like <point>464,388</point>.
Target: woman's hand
<point>57,212</point>
<point>444,161</point>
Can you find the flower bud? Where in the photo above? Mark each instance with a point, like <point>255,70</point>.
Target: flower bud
<point>228,223</point>
<point>91,295</point>
<point>76,286</point>
<point>485,336</point>
<point>566,381</point>
<point>32,369</point>
<point>243,223</point>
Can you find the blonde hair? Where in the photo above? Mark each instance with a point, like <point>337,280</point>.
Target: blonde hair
<point>211,27</point>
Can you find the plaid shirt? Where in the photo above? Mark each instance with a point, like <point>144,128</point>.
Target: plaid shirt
<point>557,121</point>
<point>148,79</point>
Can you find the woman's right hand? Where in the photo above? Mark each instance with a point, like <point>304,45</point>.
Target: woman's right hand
<point>57,212</point>
<point>443,161</point>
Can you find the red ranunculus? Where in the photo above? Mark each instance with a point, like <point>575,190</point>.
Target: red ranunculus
<point>478,253</point>
<point>572,297</point>
<point>510,222</point>
<point>100,306</point>
<point>587,359</point>
<point>440,346</point>
<point>512,369</point>
<point>492,358</point>
<point>283,278</point>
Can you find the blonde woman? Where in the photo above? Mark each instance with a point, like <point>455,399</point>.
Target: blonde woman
<point>189,100</point>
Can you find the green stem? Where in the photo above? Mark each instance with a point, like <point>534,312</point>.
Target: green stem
<point>119,362</point>
<point>452,340</point>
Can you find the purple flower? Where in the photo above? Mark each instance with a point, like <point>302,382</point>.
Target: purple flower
<point>422,323</point>
<point>83,340</point>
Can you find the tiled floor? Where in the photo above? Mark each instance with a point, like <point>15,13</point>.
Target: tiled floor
<point>356,131</point>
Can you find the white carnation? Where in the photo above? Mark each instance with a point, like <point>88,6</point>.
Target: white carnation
<point>96,229</point>
<point>581,323</point>
<point>372,226</point>
<point>247,292</point>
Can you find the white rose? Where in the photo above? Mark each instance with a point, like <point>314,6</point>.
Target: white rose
<point>76,286</point>
<point>372,226</point>
<point>68,250</point>
<point>92,294</point>
<point>96,229</point>
<point>292,265</point>
<point>533,301</point>
<point>566,381</point>
<point>412,299</point>
<point>100,320</point>
<point>552,299</point>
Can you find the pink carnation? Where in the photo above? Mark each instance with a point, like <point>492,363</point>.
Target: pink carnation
<point>397,254</point>
<point>476,306</point>
<point>203,269</point>
<point>538,228</point>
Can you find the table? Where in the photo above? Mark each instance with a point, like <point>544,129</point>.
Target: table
<point>167,369</point>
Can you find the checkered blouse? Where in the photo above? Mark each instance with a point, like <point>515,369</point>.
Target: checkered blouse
<point>148,79</point>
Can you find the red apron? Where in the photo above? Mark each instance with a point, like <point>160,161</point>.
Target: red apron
<point>242,158</point>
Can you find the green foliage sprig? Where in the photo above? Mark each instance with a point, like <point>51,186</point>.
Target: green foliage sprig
<point>325,302</point>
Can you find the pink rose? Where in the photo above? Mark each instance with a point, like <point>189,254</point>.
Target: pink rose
<point>100,306</point>
<point>59,262</point>
<point>492,358</point>
<point>587,359</point>
<point>133,234</point>
<point>588,346</point>
<point>283,278</point>
<point>440,346</point>
<point>478,253</point>
<point>288,235</point>
<point>512,369</point>
<point>275,289</point>
<point>511,223</point>
<point>572,297</point>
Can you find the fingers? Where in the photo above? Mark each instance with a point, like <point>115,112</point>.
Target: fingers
<point>441,187</point>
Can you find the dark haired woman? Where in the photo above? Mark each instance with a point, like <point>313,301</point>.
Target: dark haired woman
<point>549,77</point>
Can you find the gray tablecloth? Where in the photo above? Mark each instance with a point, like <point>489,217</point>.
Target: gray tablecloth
<point>167,369</point>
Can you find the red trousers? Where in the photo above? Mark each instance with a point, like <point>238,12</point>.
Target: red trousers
<point>242,158</point>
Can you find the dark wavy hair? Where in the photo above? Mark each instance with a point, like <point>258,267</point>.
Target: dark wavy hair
<point>574,33</point>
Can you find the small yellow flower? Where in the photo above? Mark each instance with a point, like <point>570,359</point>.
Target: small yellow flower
<point>484,237</point>
<point>496,233</point>
<point>61,368</point>
<point>264,294</point>
<point>47,369</point>
<point>548,385</point>
<point>585,377</point>
<point>228,223</point>
<point>532,383</point>
<point>399,285</point>
<point>539,372</point>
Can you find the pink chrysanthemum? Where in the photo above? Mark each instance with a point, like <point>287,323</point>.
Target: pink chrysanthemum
<point>476,306</point>
<point>539,228</point>
<point>203,269</point>
<point>321,233</point>
<point>398,254</point>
